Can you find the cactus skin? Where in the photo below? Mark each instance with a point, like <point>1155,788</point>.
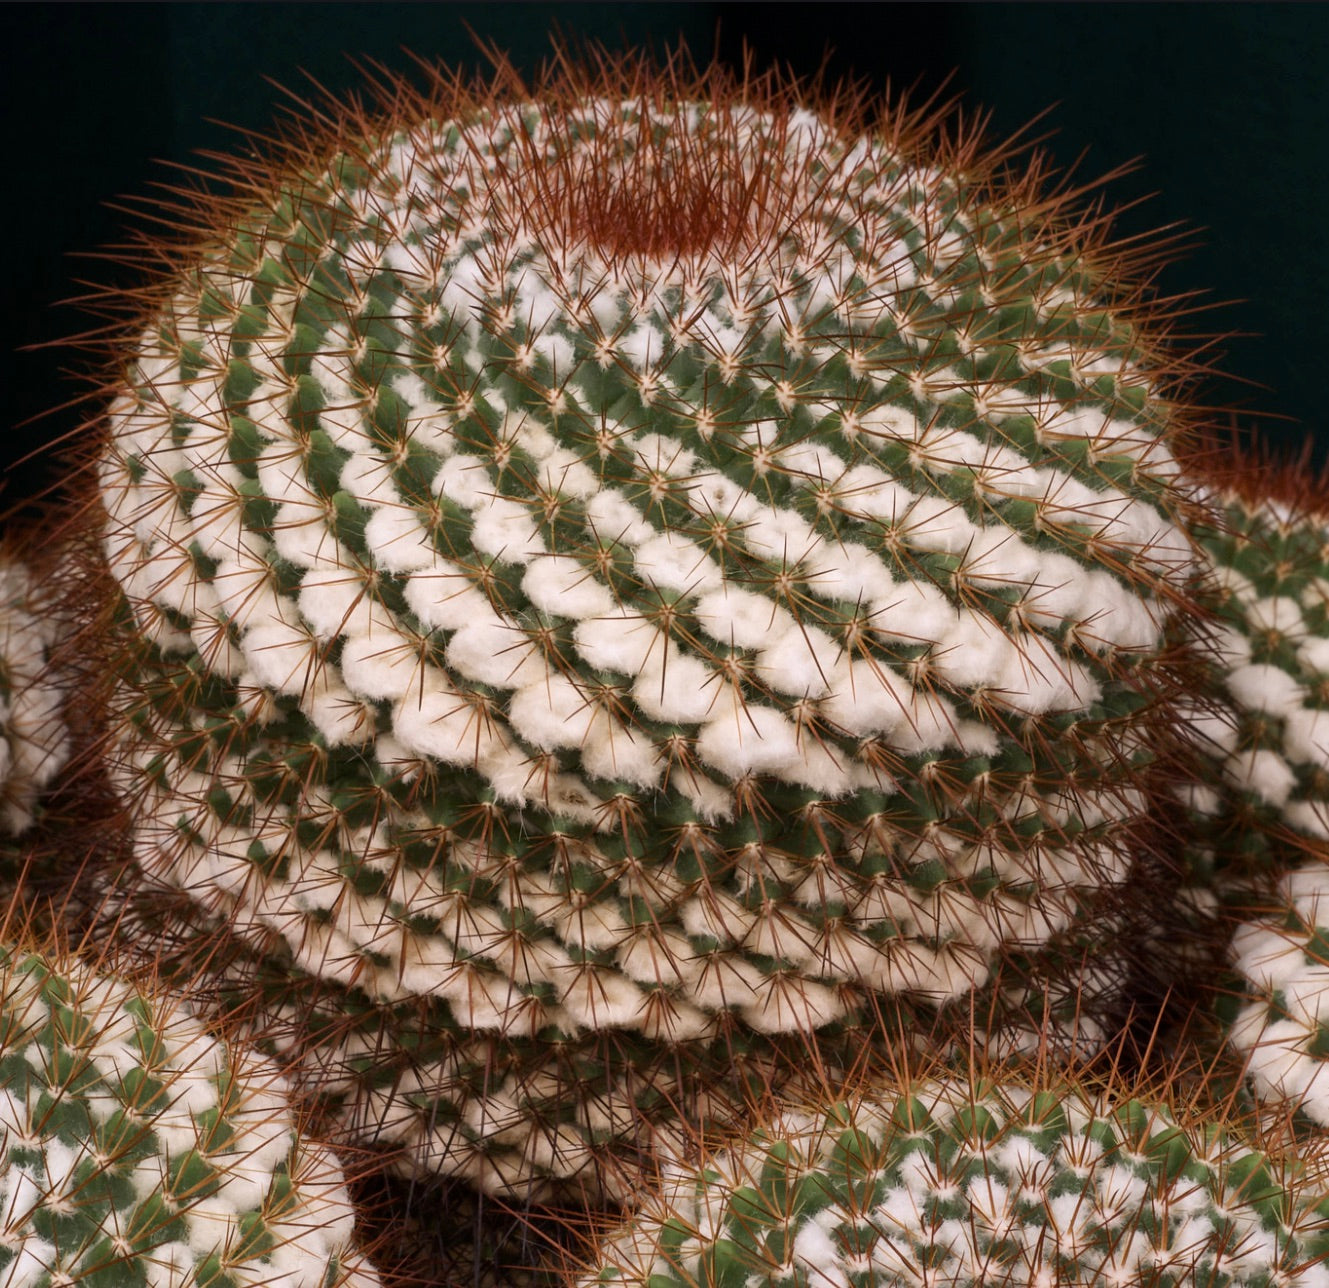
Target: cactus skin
<point>140,1150</point>
<point>976,1183</point>
<point>550,621</point>
<point>34,742</point>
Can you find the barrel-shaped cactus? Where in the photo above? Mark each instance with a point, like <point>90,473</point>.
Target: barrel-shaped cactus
<point>644,568</point>
<point>971,1182</point>
<point>136,1148</point>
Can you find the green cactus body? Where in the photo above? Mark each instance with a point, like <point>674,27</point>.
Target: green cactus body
<point>550,625</point>
<point>988,1184</point>
<point>34,742</point>
<point>137,1149</point>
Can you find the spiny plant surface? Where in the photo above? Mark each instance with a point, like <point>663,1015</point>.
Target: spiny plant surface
<point>631,572</point>
<point>1282,1024</point>
<point>33,738</point>
<point>959,1182</point>
<point>1259,796</point>
<point>136,1149</point>
<point>1268,738</point>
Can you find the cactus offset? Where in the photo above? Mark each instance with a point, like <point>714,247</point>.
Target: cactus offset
<point>638,566</point>
<point>987,1182</point>
<point>1260,856</point>
<point>138,1149</point>
<point>34,743</point>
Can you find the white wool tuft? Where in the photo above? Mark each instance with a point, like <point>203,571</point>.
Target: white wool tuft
<point>672,562</point>
<point>285,658</point>
<point>446,599</point>
<point>1263,772</point>
<point>552,713</point>
<point>847,572</point>
<point>612,517</point>
<point>506,529</point>
<point>340,717</point>
<point>915,612</point>
<point>432,719</point>
<point>934,523</point>
<point>1265,688</point>
<point>800,662</point>
<point>495,652</point>
<point>676,688</point>
<point>1306,736</point>
<point>867,698</point>
<point>465,480</point>
<point>613,751</point>
<point>623,642</point>
<point>381,665</point>
<point>566,587</point>
<point>333,602</point>
<point>865,491</point>
<point>1307,889</point>
<point>782,536</point>
<point>1314,654</point>
<point>398,540</point>
<point>742,618</point>
<point>753,740</point>
<point>975,652</point>
<point>930,724</point>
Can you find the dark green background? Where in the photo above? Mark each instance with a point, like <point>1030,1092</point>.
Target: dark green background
<point>1226,105</point>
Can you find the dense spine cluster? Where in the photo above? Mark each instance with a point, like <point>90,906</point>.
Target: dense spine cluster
<point>629,572</point>
<point>139,1151</point>
<point>976,1183</point>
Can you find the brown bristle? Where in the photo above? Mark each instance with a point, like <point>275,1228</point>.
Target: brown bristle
<point>1245,464</point>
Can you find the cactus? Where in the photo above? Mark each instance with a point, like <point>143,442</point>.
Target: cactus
<point>1267,550</point>
<point>138,1149</point>
<point>1257,786</point>
<point>637,567</point>
<point>977,1182</point>
<point>34,742</point>
<point>1281,1025</point>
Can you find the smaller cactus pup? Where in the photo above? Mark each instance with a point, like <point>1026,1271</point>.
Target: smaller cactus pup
<point>137,1149</point>
<point>1261,857</point>
<point>620,575</point>
<point>977,1182</point>
<point>34,741</point>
